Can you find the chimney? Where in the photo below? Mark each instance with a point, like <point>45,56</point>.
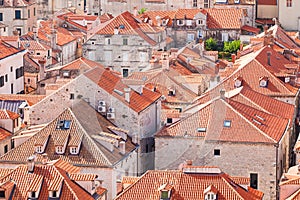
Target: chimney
<point>135,11</point>
<point>44,158</point>
<point>217,68</point>
<point>122,146</point>
<point>116,30</point>
<point>189,162</point>
<point>30,164</point>
<point>35,30</point>
<point>222,93</point>
<point>165,63</point>
<point>269,57</point>
<point>53,39</point>
<point>42,68</point>
<point>127,94</point>
<point>241,46</point>
<point>233,56</point>
<point>238,54</point>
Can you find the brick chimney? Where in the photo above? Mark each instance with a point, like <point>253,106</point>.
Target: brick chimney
<point>233,57</point>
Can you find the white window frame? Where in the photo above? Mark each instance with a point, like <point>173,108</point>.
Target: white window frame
<point>73,150</point>
<point>39,149</point>
<point>59,150</point>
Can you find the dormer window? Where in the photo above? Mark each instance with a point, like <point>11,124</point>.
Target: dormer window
<point>263,82</point>
<point>200,22</point>
<point>53,194</point>
<point>189,22</point>
<point>171,92</point>
<point>210,196</point>
<point>39,149</point>
<point>73,150</point>
<point>165,191</point>
<point>59,150</point>
<point>33,194</point>
<point>238,82</point>
<point>164,195</point>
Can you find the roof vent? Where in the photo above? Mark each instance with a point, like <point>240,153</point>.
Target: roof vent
<point>121,26</point>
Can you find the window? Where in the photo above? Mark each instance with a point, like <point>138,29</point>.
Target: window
<point>164,195</point>
<point>169,120</point>
<point>125,72</point>
<point>34,11</point>
<point>1,16</point>
<point>38,149</point>
<point>63,124</point>
<point>33,194</point>
<point>200,22</point>
<point>195,3</point>
<point>107,41</point>
<point>217,152</point>
<point>11,88</point>
<point>253,180</point>
<point>5,148</point>
<point>73,150</point>
<point>59,149</point>
<point>190,37</point>
<point>11,68</point>
<point>289,3</point>
<point>19,31</point>
<point>227,123</point>
<point>2,193</point>
<point>1,2</point>
<point>206,3</point>
<point>54,194</point>
<point>28,13</point>
<point>12,143</point>
<point>1,81</point>
<point>17,14</point>
<point>19,72</point>
<point>125,41</point>
<point>71,96</point>
<point>180,22</point>
<point>225,37</point>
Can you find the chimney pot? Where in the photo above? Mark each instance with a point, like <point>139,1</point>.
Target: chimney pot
<point>222,93</point>
<point>30,163</point>
<point>122,146</point>
<point>127,94</point>
<point>189,162</point>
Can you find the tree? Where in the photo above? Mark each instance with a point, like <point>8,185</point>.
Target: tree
<point>211,44</point>
<point>142,10</point>
<point>232,47</point>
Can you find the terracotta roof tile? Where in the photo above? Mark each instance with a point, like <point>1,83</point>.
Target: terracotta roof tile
<point>44,176</point>
<point>7,49</point>
<point>31,99</point>
<point>111,83</point>
<point>127,25</point>
<point>185,186</point>
<point>6,114</point>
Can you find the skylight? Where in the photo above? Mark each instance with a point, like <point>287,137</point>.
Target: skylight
<point>227,123</point>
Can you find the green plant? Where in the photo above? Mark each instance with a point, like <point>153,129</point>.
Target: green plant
<point>211,44</point>
<point>232,47</point>
<point>142,10</point>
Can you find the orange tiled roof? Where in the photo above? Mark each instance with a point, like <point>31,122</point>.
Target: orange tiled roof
<point>4,134</point>
<point>111,83</point>
<point>266,2</point>
<point>6,114</point>
<point>186,186</point>
<point>43,177</point>
<point>83,125</point>
<point>31,99</point>
<point>7,49</point>
<point>127,25</point>
<point>218,18</point>
<point>80,63</point>
<point>247,123</point>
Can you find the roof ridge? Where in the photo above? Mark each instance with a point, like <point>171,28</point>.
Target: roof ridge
<point>276,79</point>
<point>249,122</point>
<point>87,136</point>
<point>227,182</point>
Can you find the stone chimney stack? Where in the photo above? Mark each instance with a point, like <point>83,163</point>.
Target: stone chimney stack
<point>30,164</point>
<point>122,146</point>
<point>127,94</point>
